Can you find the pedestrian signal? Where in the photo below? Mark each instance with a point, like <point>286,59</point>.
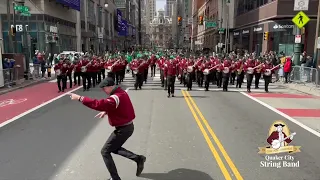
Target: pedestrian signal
<point>13,31</point>
<point>266,36</point>
<point>200,20</point>
<point>179,20</point>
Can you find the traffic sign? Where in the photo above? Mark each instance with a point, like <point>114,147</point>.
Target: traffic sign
<point>21,8</point>
<point>211,24</point>
<point>297,39</point>
<point>301,19</point>
<point>301,5</point>
<point>25,14</point>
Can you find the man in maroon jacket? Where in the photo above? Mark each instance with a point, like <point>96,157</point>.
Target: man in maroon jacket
<point>170,72</point>
<point>121,114</point>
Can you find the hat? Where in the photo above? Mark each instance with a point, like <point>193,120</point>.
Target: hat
<point>106,82</point>
<point>276,125</point>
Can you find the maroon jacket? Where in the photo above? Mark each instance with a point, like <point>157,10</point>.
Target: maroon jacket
<point>118,107</point>
<point>170,69</point>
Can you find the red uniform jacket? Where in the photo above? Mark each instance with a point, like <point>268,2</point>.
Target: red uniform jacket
<point>62,68</point>
<point>70,69</point>
<point>248,64</point>
<point>170,69</point>
<point>118,107</point>
<point>275,136</point>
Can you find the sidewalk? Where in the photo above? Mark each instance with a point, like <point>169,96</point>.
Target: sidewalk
<point>308,88</point>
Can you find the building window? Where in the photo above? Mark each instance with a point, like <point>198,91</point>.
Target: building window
<point>244,6</point>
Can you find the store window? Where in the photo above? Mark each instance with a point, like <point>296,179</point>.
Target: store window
<point>33,26</point>
<point>5,26</point>
<point>283,41</point>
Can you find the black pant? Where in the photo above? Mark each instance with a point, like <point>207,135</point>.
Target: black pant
<point>267,80</point>
<point>200,78</point>
<point>249,81</point>
<point>117,77</point>
<point>93,77</point>
<point>162,78</point>
<point>153,70</point>
<point>62,79</point>
<point>257,77</point>
<point>206,81</point>
<point>138,81</point>
<point>219,79</point>
<point>188,79</point>
<point>76,78</point>
<point>70,80</point>
<point>103,73</point>
<point>225,81</point>
<point>240,77</point>
<point>286,76</point>
<point>145,75</point>
<point>114,145</point>
<point>171,80</point>
<point>233,78</point>
<point>86,78</point>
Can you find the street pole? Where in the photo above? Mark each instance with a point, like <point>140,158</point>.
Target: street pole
<point>10,44</point>
<point>297,48</point>
<point>139,23</point>
<point>316,50</point>
<point>221,24</point>
<point>14,48</point>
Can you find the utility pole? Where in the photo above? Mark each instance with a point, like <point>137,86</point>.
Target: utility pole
<point>316,50</point>
<point>15,47</point>
<point>9,26</point>
<point>139,23</point>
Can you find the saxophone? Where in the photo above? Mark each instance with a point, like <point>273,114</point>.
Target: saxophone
<point>241,68</point>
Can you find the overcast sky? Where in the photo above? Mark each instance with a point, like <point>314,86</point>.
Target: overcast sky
<point>160,4</point>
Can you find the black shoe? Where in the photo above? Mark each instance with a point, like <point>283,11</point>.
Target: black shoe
<point>59,91</point>
<point>140,165</point>
<point>172,95</point>
<point>168,95</point>
<point>84,89</point>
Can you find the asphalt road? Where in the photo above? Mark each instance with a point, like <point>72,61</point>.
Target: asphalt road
<point>195,136</point>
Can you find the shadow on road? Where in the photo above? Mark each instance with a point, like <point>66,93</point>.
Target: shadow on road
<point>178,174</point>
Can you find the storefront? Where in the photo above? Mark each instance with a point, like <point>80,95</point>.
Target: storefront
<point>47,33</point>
<point>236,40</point>
<point>281,36</point>
<point>245,38</point>
<point>257,38</point>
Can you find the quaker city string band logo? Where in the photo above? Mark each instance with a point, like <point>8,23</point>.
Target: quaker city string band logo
<point>278,152</point>
<point>8,102</point>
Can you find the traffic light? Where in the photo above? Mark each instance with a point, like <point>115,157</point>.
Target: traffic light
<point>266,36</point>
<point>200,20</point>
<point>13,31</point>
<point>179,20</point>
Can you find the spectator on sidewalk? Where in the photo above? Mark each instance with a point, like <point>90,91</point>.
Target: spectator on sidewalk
<point>8,66</point>
<point>287,68</point>
<point>43,68</point>
<point>49,70</point>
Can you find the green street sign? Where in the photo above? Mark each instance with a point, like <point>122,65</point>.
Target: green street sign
<point>211,24</point>
<point>25,14</point>
<point>21,8</point>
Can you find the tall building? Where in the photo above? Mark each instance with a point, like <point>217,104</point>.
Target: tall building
<point>150,13</point>
<point>168,7</point>
<point>253,18</point>
<point>161,31</point>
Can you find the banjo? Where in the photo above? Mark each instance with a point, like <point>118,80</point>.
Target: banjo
<point>251,70</point>
<point>268,72</point>
<point>276,144</point>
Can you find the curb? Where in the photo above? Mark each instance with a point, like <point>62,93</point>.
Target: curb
<point>303,89</point>
<point>26,85</point>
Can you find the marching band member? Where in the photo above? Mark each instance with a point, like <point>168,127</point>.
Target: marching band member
<point>102,70</point>
<point>161,63</point>
<point>206,65</point>
<point>138,69</point>
<point>145,74</point>
<point>170,72</point>
<point>61,70</point>
<point>225,68</point>
<point>268,69</point>
<point>153,61</point>
<point>257,74</point>
<point>70,67</point>
<point>123,64</point>
<point>84,63</point>
<point>189,75</point>
<point>233,72</point>
<point>249,69</point>
<point>77,73</point>
<point>240,73</point>
<point>182,67</point>
<point>218,64</point>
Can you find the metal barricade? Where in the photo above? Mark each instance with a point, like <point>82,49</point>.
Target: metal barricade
<point>10,76</point>
<point>304,75</point>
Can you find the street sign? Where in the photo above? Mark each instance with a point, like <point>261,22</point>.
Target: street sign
<point>210,24</point>
<point>301,5</point>
<point>301,19</point>
<point>297,39</point>
<point>21,8</point>
<point>25,14</point>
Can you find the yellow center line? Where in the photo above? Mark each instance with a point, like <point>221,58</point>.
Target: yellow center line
<point>209,142</point>
<point>216,140</point>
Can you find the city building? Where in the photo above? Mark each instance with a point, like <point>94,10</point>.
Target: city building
<point>168,7</point>
<point>253,18</point>
<point>161,27</point>
<point>150,9</point>
<point>181,31</point>
<point>54,27</point>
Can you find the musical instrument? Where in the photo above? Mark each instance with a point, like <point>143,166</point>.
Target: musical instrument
<point>250,70</point>
<point>207,71</point>
<point>136,70</point>
<point>268,72</point>
<point>226,70</point>
<point>110,68</point>
<point>240,69</point>
<point>276,144</point>
<point>58,72</point>
<point>84,68</point>
<point>190,68</point>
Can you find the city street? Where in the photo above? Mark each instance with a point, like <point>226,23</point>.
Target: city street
<point>196,135</point>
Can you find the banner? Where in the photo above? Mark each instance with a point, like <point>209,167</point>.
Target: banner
<point>119,20</point>
<point>123,31</point>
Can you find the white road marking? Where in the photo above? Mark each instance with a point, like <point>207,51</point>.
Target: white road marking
<point>36,108</point>
<point>283,115</point>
